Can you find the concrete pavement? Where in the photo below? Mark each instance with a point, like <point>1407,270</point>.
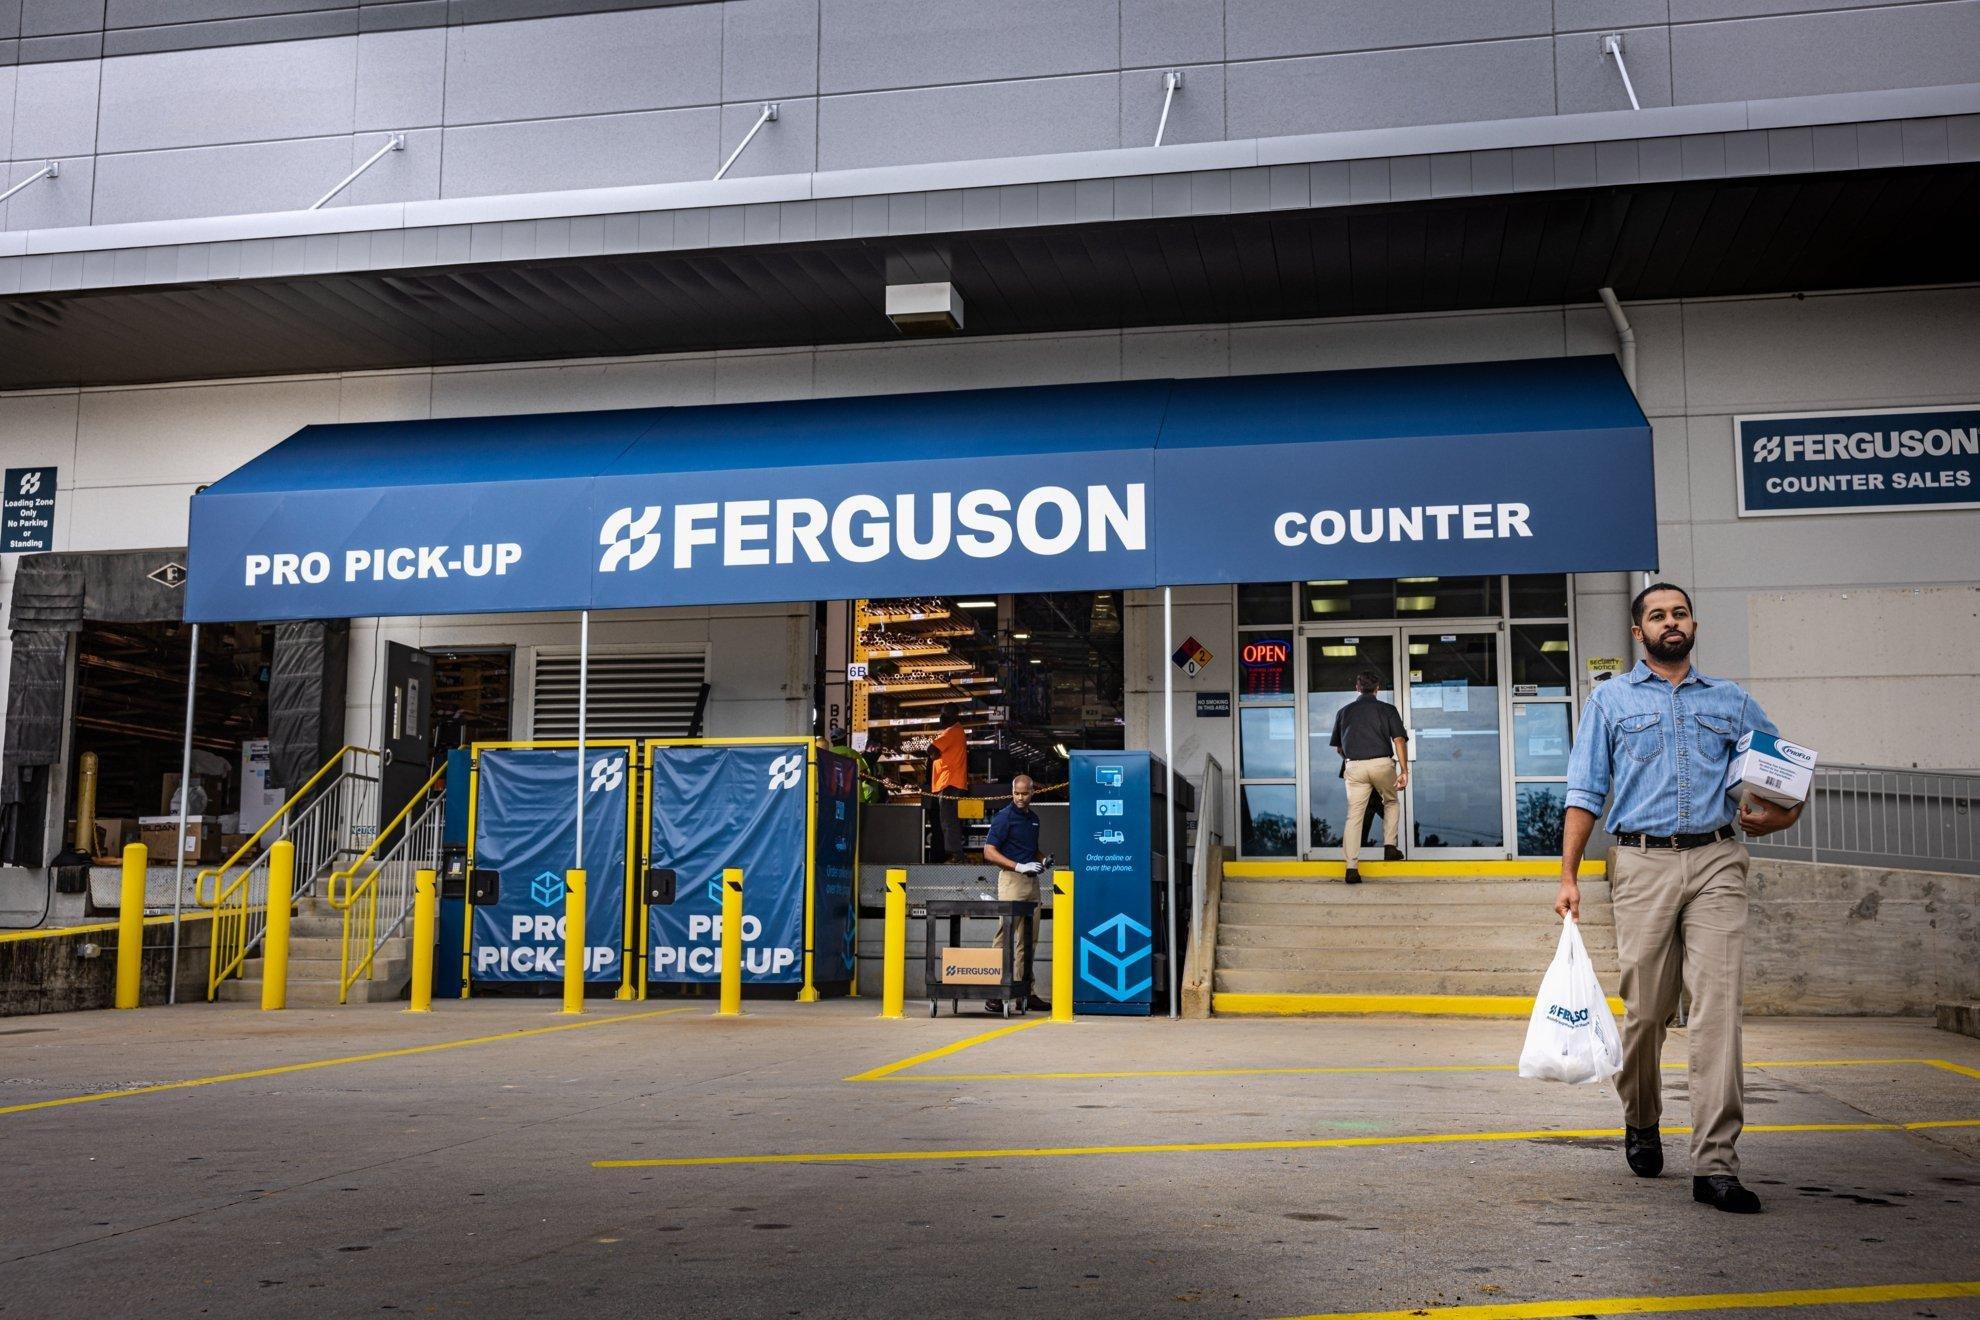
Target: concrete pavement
<point>650,1158</point>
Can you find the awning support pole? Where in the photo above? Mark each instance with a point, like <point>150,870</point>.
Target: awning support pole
<point>770,111</point>
<point>394,142</point>
<point>1612,47</point>
<point>48,171</point>
<point>1171,83</point>
<point>1169,786</point>
<point>584,669</point>
<point>185,806</point>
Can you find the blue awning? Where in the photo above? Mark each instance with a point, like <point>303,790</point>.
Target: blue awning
<point>1501,467</point>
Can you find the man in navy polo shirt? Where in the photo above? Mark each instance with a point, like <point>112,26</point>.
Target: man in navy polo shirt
<point>1012,846</point>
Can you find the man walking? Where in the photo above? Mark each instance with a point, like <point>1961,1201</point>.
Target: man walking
<point>1012,846</point>
<point>1657,744</point>
<point>1374,748</point>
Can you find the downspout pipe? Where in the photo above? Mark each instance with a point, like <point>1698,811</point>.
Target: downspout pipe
<point>1626,350</point>
<point>1625,337</point>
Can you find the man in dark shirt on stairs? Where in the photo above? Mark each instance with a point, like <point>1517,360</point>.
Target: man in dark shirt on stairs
<point>1374,748</point>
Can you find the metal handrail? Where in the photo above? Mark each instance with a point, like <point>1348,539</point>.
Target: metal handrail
<point>1885,816</point>
<point>357,863</point>
<point>1209,847</point>
<point>391,883</point>
<point>323,821</point>
<point>281,813</point>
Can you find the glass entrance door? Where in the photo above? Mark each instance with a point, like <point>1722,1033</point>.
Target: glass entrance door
<point>1332,662</point>
<point>1456,793</point>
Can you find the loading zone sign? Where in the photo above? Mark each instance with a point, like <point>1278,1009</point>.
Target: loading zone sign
<point>30,511</point>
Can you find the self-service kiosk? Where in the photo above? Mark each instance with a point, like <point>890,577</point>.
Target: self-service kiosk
<point>1120,874</point>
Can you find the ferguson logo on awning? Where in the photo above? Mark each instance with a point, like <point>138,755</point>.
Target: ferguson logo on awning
<point>860,529</point>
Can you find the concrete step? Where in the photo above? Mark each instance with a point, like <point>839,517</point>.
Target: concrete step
<point>1523,937</point>
<point>1527,965</point>
<point>324,946</point>
<point>1443,893</point>
<point>311,994</point>
<point>1253,981</point>
<point>1407,915</point>
<point>332,969</point>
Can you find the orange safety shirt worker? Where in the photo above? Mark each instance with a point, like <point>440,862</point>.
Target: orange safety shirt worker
<point>951,760</point>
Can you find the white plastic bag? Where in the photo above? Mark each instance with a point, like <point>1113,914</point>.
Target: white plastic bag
<point>1572,1036</point>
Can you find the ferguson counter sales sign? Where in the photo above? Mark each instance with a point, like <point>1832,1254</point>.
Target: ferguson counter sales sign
<point>1858,462</point>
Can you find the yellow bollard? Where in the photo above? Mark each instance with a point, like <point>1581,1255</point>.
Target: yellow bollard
<point>574,950</point>
<point>732,942</point>
<point>130,927</point>
<point>426,916</point>
<point>275,940</point>
<point>893,957</point>
<point>1063,932</point>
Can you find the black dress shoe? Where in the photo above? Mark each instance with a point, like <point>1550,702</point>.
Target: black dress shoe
<point>1644,1149</point>
<point>1722,1191</point>
<point>1037,1005</point>
<point>994,1007</point>
<point>1392,854</point>
<point>1353,876</point>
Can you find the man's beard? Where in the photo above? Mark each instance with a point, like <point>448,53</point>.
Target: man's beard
<point>1670,652</point>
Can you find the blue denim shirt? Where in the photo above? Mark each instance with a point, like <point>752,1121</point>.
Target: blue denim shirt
<point>1660,754</point>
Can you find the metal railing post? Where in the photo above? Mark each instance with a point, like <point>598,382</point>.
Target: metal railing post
<point>732,942</point>
<point>426,920</point>
<point>893,955</point>
<point>574,949</point>
<point>275,939</point>
<point>130,926</point>
<point>1064,928</point>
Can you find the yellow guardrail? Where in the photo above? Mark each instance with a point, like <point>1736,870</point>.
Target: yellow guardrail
<point>360,905</point>
<point>234,902</point>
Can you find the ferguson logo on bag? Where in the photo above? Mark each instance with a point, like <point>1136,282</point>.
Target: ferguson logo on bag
<point>1573,1017</point>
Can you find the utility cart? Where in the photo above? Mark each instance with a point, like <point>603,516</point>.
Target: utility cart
<point>956,972</point>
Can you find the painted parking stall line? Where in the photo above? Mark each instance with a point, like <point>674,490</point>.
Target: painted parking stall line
<point>279,1070</point>
<point>1859,1295</point>
<point>1236,1147</point>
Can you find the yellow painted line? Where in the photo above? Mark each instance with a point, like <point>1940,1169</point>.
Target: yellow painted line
<point>1359,1069</point>
<point>1531,869</point>
<point>93,928</point>
<point>1223,1147</point>
<point>1233,1004</point>
<point>889,1069</point>
<point>1873,1293</point>
<point>1952,1067</point>
<point>255,1074</point>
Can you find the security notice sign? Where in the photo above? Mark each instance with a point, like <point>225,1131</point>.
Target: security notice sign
<point>30,511</point>
<point>1858,462</point>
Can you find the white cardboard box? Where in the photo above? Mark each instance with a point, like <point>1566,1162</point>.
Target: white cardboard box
<point>1772,768</point>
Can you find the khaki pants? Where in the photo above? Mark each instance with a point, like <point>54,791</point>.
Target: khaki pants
<point>1681,921</point>
<point>1015,888</point>
<point>1364,777</point>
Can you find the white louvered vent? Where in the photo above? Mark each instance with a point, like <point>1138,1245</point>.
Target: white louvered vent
<point>643,694</point>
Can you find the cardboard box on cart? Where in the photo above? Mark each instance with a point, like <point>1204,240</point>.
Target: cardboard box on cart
<point>1769,767</point>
